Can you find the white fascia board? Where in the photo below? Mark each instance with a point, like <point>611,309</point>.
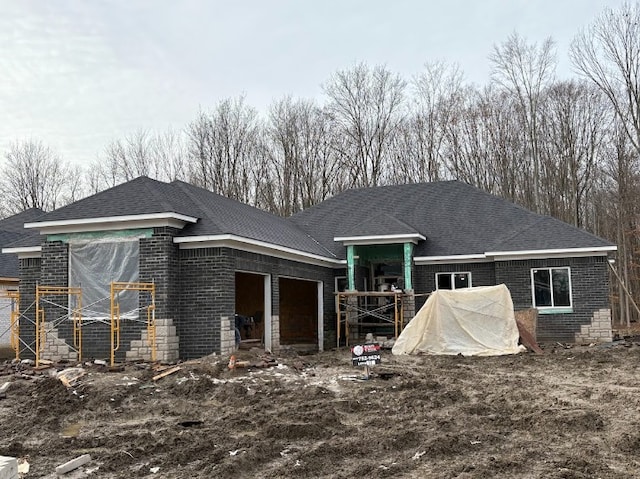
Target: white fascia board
<point>379,239</point>
<point>254,246</point>
<point>24,251</point>
<point>107,223</point>
<point>551,253</point>
<point>515,255</point>
<point>459,258</point>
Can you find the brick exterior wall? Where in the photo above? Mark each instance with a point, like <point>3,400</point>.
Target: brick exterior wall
<point>424,277</point>
<point>195,289</point>
<point>207,293</point>
<point>158,263</point>
<point>590,294</point>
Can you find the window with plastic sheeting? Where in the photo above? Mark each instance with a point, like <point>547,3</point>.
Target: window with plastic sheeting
<point>93,265</point>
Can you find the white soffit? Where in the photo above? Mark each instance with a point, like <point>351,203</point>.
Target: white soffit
<point>551,253</point>
<point>24,251</point>
<point>380,239</point>
<point>515,255</point>
<point>108,223</point>
<point>255,246</point>
<point>461,258</point>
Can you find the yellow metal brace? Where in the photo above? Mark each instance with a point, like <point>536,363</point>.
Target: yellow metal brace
<point>14,319</point>
<point>41,333</point>
<point>117,287</point>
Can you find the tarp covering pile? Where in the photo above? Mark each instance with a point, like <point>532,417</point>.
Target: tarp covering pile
<point>469,321</point>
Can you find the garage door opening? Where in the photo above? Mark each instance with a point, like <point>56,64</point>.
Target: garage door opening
<point>298,312</point>
<point>250,307</point>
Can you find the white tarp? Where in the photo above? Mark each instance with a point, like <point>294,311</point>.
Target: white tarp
<point>469,321</point>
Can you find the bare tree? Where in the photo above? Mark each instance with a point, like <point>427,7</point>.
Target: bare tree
<point>485,147</point>
<point>222,145</point>
<point>162,156</point>
<point>437,96</point>
<point>301,160</point>
<point>34,176</point>
<point>366,106</point>
<point>524,70</point>
<point>608,54</point>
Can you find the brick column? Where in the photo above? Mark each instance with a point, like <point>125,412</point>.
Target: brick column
<point>55,272</point>
<point>158,264</point>
<point>29,277</point>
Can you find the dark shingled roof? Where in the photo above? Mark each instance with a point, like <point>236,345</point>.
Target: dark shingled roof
<point>456,218</point>
<point>12,231</point>
<point>220,215</point>
<point>380,224</point>
<point>217,215</point>
<point>136,197</point>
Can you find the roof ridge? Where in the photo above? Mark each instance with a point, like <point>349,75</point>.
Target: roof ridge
<point>184,187</point>
<point>517,232</point>
<point>160,198</point>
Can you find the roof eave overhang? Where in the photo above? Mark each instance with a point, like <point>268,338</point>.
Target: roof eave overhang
<point>24,251</point>
<point>255,246</point>
<point>552,253</point>
<point>109,223</point>
<point>491,256</point>
<point>451,259</point>
<point>8,279</point>
<point>380,239</point>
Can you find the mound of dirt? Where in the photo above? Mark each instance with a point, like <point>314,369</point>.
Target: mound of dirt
<point>569,413</point>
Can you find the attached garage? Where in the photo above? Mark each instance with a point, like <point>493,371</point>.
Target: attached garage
<point>250,303</point>
<point>298,311</point>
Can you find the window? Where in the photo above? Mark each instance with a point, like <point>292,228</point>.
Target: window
<point>552,288</point>
<point>453,280</point>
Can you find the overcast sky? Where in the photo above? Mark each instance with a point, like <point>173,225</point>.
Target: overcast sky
<point>77,74</point>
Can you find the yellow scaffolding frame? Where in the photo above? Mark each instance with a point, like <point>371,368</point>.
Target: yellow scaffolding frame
<point>345,308</point>
<point>41,333</point>
<point>14,316</point>
<point>116,288</point>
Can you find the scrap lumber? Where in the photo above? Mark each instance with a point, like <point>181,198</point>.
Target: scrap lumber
<point>69,376</point>
<point>73,464</point>
<point>527,338</point>
<point>166,373</point>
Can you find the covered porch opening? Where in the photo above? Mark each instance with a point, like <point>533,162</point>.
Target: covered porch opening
<point>299,312</point>
<point>250,307</point>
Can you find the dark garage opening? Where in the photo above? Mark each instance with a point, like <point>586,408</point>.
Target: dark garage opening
<point>250,303</point>
<point>298,311</point>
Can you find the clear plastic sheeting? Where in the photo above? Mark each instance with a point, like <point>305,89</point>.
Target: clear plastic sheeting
<point>5,319</point>
<point>93,265</point>
<point>470,321</point>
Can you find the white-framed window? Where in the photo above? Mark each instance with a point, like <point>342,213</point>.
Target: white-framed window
<point>551,289</point>
<point>453,280</point>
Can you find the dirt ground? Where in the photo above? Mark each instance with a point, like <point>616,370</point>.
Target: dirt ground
<point>570,413</point>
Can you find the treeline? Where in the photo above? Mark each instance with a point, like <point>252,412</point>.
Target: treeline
<point>567,148</point>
